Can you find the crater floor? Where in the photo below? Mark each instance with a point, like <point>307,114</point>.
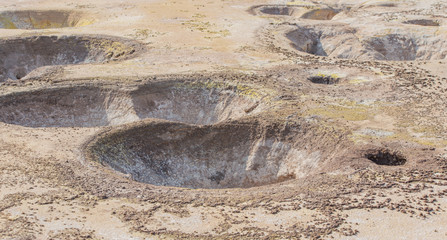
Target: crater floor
<point>230,119</point>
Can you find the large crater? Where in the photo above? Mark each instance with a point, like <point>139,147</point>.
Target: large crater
<point>20,56</point>
<point>232,154</point>
<point>343,42</point>
<point>31,19</point>
<point>304,12</point>
<point>93,106</point>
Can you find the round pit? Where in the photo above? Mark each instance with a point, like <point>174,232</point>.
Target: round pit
<point>423,22</point>
<point>394,47</point>
<point>320,14</point>
<point>277,10</point>
<point>43,19</point>
<point>20,56</point>
<point>296,11</point>
<point>233,154</point>
<point>386,157</point>
<point>306,40</point>
<point>344,43</point>
<point>92,106</point>
<point>324,79</point>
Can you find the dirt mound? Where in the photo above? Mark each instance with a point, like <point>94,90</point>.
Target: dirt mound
<point>43,19</point>
<point>92,106</point>
<point>20,56</point>
<point>236,154</point>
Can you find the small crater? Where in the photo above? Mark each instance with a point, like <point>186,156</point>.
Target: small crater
<point>43,19</point>
<point>324,79</point>
<point>297,11</point>
<point>277,10</point>
<point>343,43</point>
<point>320,14</point>
<point>376,4</point>
<point>387,5</point>
<point>423,22</point>
<point>306,40</point>
<point>395,47</point>
<point>386,157</point>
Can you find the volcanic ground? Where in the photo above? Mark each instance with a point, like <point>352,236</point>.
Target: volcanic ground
<point>250,119</point>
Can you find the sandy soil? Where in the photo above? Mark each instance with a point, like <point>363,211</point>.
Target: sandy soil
<point>251,119</point>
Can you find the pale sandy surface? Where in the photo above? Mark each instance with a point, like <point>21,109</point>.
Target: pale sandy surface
<point>50,188</point>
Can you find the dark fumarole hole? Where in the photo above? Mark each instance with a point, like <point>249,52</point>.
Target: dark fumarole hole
<point>218,177</point>
<point>386,157</point>
<point>323,80</point>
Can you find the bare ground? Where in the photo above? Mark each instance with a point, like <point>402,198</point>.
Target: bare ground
<point>210,120</point>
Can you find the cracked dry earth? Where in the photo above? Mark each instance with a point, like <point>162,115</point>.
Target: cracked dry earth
<point>223,119</point>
